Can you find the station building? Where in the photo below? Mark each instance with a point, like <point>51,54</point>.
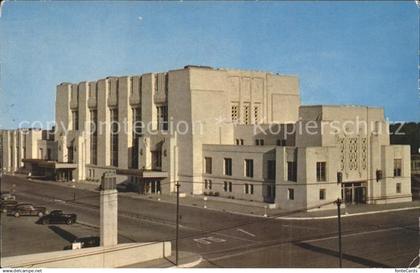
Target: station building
<point>229,133</point>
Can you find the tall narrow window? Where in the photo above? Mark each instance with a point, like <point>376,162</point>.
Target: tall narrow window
<point>75,120</point>
<point>247,116</point>
<point>291,171</point>
<point>321,171</point>
<point>137,132</point>
<point>162,117</point>
<point>228,166</point>
<point>93,136</point>
<point>249,168</point>
<point>271,169</point>
<point>156,160</point>
<point>230,186</point>
<point>70,154</point>
<point>225,186</point>
<point>398,187</point>
<point>256,114</point>
<point>114,137</point>
<point>397,167</point>
<point>235,113</point>
<point>208,165</point>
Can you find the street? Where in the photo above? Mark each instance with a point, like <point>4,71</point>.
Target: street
<point>223,239</point>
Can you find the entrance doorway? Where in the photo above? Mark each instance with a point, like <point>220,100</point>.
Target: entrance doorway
<point>353,193</point>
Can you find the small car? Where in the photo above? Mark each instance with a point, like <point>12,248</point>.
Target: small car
<point>90,241</point>
<point>26,210</point>
<point>58,217</point>
<point>5,205</point>
<point>6,196</point>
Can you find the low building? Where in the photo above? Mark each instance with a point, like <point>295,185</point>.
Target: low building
<point>229,133</point>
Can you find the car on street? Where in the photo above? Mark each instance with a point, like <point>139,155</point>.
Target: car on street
<point>5,205</point>
<point>58,217</point>
<point>5,195</point>
<point>89,241</point>
<point>26,210</point>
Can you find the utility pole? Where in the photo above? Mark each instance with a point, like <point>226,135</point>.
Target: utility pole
<point>340,253</point>
<point>177,222</point>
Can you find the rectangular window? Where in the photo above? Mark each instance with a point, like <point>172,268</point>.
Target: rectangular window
<point>210,184</point>
<point>397,167</point>
<point>291,171</point>
<point>207,165</point>
<point>259,142</point>
<point>290,194</point>
<point>75,120</point>
<point>225,186</point>
<point>249,168</point>
<point>271,169</point>
<point>251,189</point>
<point>206,184</point>
<point>281,142</point>
<point>228,166</point>
<point>230,186</point>
<point>322,194</point>
<point>242,142</point>
<point>398,188</point>
<point>321,168</point>
<point>246,188</point>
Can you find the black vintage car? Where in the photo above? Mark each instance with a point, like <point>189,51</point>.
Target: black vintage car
<point>58,217</point>
<point>26,210</point>
<point>90,241</point>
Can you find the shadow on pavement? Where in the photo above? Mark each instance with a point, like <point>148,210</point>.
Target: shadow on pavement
<point>70,237</point>
<point>352,258</point>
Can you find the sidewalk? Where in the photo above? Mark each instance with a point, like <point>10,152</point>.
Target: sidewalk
<point>356,210</point>
<point>249,208</point>
<point>186,260</point>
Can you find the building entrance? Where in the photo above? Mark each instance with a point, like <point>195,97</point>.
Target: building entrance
<point>353,193</point>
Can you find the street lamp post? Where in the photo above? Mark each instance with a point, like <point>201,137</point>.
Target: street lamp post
<point>340,253</point>
<point>177,223</point>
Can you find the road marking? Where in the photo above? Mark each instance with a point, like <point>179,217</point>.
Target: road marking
<point>246,232</point>
<point>202,241</point>
<point>352,234</point>
<point>216,240</point>
<point>209,240</point>
<point>59,201</point>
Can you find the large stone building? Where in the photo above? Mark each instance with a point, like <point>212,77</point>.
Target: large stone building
<point>230,133</point>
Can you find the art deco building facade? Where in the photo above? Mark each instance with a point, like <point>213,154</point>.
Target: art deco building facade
<point>228,133</point>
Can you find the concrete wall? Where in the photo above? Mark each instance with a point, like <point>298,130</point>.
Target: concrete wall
<point>103,257</point>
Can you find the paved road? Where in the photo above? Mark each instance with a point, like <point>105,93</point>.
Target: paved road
<point>228,240</point>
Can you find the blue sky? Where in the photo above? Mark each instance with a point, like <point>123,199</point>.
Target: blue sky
<point>343,53</point>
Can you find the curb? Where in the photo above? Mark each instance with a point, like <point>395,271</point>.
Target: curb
<point>190,264</point>
<point>346,215</point>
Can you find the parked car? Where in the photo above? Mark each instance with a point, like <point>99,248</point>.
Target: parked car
<point>90,241</point>
<point>58,217</point>
<point>5,205</point>
<point>26,210</point>
<point>5,195</point>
